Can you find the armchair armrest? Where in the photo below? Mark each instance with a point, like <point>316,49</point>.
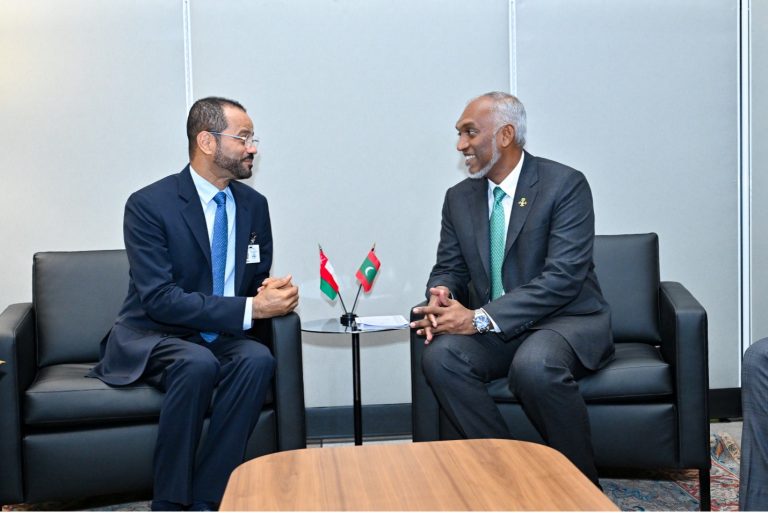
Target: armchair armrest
<point>17,349</point>
<point>425,409</point>
<point>289,382</point>
<point>684,344</point>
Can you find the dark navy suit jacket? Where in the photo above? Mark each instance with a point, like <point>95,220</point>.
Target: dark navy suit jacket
<point>170,286</point>
<point>548,272</point>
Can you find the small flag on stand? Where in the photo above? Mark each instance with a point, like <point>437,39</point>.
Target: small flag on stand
<point>328,285</point>
<point>368,269</point>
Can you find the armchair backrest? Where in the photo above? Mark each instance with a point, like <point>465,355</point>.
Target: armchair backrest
<point>627,267</point>
<point>76,297</point>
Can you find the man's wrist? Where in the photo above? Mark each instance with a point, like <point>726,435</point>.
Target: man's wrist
<point>248,314</point>
<point>255,309</point>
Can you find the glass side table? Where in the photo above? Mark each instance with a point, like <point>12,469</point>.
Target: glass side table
<point>334,326</point>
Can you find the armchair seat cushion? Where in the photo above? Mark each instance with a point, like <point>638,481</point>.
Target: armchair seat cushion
<point>62,394</point>
<point>638,372</point>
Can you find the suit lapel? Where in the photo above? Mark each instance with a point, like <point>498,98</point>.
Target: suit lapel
<point>242,233</point>
<point>193,213</point>
<point>478,210</point>
<point>525,195</point>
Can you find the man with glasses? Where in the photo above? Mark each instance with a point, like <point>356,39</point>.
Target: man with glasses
<point>199,246</point>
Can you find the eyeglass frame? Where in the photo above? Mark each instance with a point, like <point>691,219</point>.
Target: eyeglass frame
<point>253,140</point>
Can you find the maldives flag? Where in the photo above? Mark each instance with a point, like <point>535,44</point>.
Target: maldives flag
<point>368,270</point>
<point>328,285</point>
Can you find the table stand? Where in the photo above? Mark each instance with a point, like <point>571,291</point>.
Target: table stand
<point>357,405</point>
<point>333,326</point>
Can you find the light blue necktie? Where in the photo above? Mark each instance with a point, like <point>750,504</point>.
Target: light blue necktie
<point>218,253</point>
<point>498,238</point>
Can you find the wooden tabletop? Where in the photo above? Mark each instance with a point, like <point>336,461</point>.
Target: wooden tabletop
<point>459,475</point>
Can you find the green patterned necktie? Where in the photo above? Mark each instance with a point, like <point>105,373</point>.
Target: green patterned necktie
<point>498,236</point>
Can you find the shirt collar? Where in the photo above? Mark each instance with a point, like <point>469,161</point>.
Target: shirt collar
<point>205,189</point>
<point>509,184</point>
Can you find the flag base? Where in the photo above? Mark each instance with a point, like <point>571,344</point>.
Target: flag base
<point>348,319</point>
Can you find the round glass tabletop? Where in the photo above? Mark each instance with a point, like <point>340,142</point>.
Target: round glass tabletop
<point>335,326</point>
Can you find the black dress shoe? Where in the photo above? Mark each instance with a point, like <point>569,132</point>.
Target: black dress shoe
<point>167,506</point>
<point>203,506</point>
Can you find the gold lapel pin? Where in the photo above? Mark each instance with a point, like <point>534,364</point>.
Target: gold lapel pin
<point>523,202</point>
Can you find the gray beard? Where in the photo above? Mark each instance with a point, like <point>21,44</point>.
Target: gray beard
<point>495,156</point>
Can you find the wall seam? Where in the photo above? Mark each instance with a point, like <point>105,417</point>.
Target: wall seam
<point>187,30</point>
<point>512,41</point>
<point>745,176</point>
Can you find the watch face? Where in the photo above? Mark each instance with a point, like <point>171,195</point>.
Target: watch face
<point>482,322</point>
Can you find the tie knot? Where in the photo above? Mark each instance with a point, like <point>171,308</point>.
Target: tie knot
<point>498,194</point>
<point>220,198</point>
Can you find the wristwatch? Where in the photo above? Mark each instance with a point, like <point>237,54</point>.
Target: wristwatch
<point>481,321</point>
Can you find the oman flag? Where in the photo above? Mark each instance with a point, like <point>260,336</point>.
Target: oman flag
<point>368,270</point>
<point>328,285</point>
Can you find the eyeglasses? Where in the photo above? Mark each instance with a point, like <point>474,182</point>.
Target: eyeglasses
<point>249,140</point>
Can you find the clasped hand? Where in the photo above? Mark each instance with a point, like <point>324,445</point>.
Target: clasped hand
<point>275,297</point>
<point>443,315</point>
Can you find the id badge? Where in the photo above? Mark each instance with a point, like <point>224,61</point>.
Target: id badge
<point>253,255</point>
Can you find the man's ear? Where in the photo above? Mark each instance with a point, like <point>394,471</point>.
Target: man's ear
<point>206,142</point>
<point>507,136</point>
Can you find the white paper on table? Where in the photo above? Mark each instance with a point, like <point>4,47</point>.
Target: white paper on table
<point>382,321</point>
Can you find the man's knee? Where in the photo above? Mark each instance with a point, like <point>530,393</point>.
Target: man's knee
<point>195,366</point>
<point>256,358</point>
<point>202,364</point>
<point>441,356</point>
<point>539,365</point>
<point>529,376</point>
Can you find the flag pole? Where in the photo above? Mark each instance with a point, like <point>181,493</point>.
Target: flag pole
<point>342,302</point>
<point>339,291</point>
<point>357,296</point>
<point>361,285</point>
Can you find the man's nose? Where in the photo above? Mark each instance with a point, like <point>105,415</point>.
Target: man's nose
<point>461,145</point>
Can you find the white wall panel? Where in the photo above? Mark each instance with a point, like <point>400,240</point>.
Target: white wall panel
<point>91,109</point>
<point>643,97</point>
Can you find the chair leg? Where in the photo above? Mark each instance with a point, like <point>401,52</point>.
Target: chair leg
<point>704,501</point>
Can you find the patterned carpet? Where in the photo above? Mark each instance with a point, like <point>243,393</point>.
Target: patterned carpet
<point>641,491</point>
<point>677,490</point>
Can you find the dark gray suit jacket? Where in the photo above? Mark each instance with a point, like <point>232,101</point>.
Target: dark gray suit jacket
<point>548,272</point>
<point>170,291</point>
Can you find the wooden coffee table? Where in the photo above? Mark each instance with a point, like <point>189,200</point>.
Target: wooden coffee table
<point>458,475</point>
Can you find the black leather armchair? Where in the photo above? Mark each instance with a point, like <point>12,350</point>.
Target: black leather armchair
<point>65,436</point>
<point>648,407</point>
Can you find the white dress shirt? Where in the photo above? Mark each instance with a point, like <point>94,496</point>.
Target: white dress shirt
<point>206,190</point>
<point>509,186</point>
